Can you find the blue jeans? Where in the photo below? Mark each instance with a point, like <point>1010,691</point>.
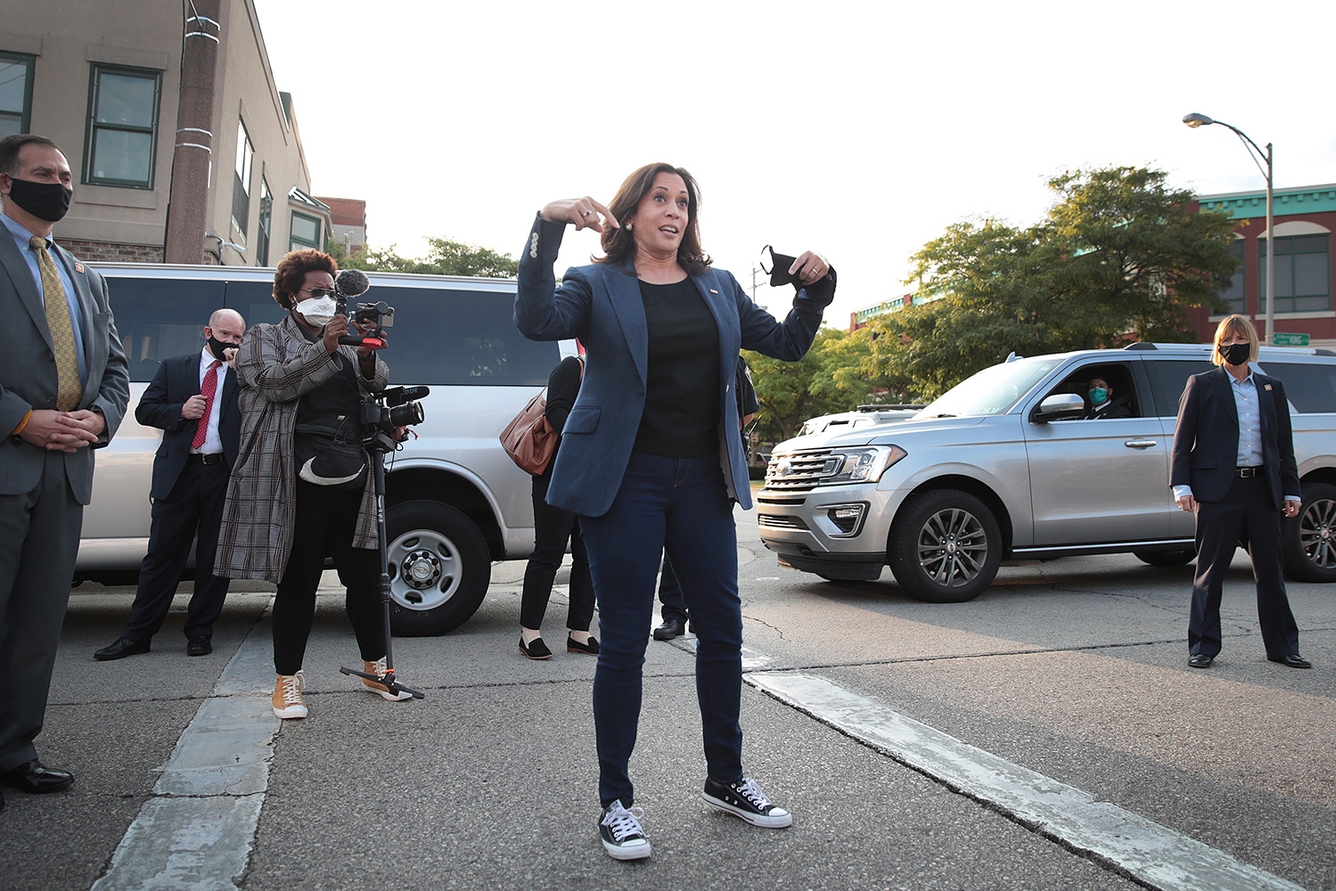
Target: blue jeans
<point>679,505</point>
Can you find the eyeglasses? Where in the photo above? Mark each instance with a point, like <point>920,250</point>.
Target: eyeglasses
<point>317,293</point>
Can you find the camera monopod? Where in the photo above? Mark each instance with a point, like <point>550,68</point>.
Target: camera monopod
<point>377,443</point>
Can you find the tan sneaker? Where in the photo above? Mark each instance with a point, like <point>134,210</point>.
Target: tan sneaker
<point>378,669</point>
<point>287,699</point>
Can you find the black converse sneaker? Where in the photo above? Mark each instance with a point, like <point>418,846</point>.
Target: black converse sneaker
<point>620,830</point>
<point>745,799</point>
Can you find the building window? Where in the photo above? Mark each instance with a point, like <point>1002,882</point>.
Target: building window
<point>15,93</point>
<point>1303,273</point>
<point>266,222</point>
<point>305,232</point>
<point>241,181</point>
<point>122,127</point>
<point>1235,295</point>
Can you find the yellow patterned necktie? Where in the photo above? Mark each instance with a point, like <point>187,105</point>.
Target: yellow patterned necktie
<point>62,330</point>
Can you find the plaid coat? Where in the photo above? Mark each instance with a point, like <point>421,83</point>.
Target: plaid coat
<point>276,364</point>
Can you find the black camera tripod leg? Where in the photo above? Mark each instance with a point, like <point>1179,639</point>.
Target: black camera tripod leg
<point>376,458</point>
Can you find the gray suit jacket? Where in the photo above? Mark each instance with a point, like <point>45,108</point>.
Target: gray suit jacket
<point>28,368</point>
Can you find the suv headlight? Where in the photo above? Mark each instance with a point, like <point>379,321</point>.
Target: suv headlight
<point>859,465</point>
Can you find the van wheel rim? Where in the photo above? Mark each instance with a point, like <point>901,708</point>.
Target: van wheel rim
<point>1317,533</point>
<point>952,548</point>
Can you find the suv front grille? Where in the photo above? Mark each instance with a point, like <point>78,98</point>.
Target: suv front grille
<point>796,472</point>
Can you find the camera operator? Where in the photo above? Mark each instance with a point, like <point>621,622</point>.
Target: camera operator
<point>302,488</point>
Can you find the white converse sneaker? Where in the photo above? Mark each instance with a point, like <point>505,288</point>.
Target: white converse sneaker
<point>746,800</point>
<point>378,669</point>
<point>287,699</point>
<point>620,830</point>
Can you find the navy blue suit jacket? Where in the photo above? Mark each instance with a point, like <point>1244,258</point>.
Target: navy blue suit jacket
<point>176,380</point>
<point>1206,440</point>
<point>601,305</point>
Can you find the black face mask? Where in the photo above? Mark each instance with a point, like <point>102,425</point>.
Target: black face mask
<point>46,201</point>
<point>217,346</point>
<point>1236,354</point>
<point>779,268</point>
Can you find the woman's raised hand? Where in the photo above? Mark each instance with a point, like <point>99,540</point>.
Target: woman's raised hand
<point>809,267</point>
<point>583,213</point>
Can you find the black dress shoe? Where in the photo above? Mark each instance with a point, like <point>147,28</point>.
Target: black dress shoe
<point>669,629</point>
<point>536,650</point>
<point>199,646</point>
<point>120,649</point>
<point>1200,660</point>
<point>1293,660</point>
<point>33,777</point>
<point>589,648</point>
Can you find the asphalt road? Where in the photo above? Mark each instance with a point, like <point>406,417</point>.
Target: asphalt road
<point>1048,735</point>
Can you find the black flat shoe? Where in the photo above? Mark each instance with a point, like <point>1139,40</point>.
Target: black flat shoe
<point>36,779</point>
<point>1293,660</point>
<point>670,629</point>
<point>536,650</point>
<point>120,649</point>
<point>574,646</point>
<point>199,646</point>
<point>1200,660</point>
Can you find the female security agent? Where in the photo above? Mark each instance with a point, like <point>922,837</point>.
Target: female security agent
<point>650,458</point>
<point>1233,463</point>
<point>301,489</point>
<point>553,528</point>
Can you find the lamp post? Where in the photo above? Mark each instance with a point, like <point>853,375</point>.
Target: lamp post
<point>1196,120</point>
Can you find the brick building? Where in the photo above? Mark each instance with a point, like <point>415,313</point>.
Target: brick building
<point>182,146</point>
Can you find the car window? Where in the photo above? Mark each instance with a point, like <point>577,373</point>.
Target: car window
<point>158,318</point>
<point>992,391</point>
<point>1123,401</point>
<point>1309,387</point>
<point>1168,378</point>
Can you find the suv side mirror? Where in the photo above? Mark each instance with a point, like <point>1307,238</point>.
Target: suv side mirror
<point>1058,407</point>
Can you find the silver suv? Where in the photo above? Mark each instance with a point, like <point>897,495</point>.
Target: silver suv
<point>455,502</point>
<point>1009,463</point>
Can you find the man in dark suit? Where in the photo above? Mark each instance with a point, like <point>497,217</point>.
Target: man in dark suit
<point>193,398</point>
<point>64,385</point>
<point>1233,463</point>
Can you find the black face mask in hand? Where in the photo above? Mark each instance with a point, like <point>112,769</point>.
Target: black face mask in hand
<point>1236,354</point>
<point>780,264</point>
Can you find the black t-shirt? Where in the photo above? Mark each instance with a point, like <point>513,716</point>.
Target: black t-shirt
<point>681,418</point>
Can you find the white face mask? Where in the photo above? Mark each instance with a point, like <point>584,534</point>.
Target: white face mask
<point>317,311</point>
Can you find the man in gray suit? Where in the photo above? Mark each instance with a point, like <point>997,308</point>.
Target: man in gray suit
<point>63,390</point>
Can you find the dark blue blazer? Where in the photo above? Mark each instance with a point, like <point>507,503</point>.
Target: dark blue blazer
<point>1206,440</point>
<point>601,305</point>
<point>176,380</point>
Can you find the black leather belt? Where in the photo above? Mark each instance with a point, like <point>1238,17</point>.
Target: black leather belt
<point>215,458</point>
<point>1246,473</point>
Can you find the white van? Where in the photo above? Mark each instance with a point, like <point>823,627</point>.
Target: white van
<point>455,502</point>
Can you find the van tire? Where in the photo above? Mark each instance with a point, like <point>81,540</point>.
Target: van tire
<point>945,546</point>
<point>439,567</point>
<point>1309,540</point>
<point>1166,558</point>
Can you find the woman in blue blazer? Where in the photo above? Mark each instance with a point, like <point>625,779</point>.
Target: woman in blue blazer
<point>650,457</point>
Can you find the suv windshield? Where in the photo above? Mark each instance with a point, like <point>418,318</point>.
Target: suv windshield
<point>992,391</point>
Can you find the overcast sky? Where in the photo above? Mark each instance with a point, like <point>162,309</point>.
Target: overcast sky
<point>857,129</point>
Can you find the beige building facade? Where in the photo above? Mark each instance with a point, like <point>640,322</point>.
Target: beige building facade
<point>182,146</point>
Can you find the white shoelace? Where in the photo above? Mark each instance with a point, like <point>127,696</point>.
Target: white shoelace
<point>292,689</point>
<point>624,822</point>
<point>749,789</point>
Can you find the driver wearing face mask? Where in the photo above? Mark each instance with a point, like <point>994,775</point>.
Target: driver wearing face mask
<point>1102,403</point>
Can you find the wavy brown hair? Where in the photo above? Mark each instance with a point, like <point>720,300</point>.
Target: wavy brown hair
<point>291,273</point>
<point>619,245</point>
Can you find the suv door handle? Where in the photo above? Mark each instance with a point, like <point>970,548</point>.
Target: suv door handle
<point>1140,443</point>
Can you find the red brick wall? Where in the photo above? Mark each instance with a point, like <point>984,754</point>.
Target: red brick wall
<point>92,251</point>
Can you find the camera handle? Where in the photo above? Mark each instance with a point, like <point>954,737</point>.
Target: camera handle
<point>376,447</point>
<point>371,343</point>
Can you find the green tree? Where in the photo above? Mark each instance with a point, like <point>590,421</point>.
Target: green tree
<point>1119,256</point>
<point>444,257</point>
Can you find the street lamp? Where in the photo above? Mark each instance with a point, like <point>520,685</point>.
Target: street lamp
<point>1196,120</point>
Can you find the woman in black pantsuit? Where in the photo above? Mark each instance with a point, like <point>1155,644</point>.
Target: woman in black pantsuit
<point>1233,464</point>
